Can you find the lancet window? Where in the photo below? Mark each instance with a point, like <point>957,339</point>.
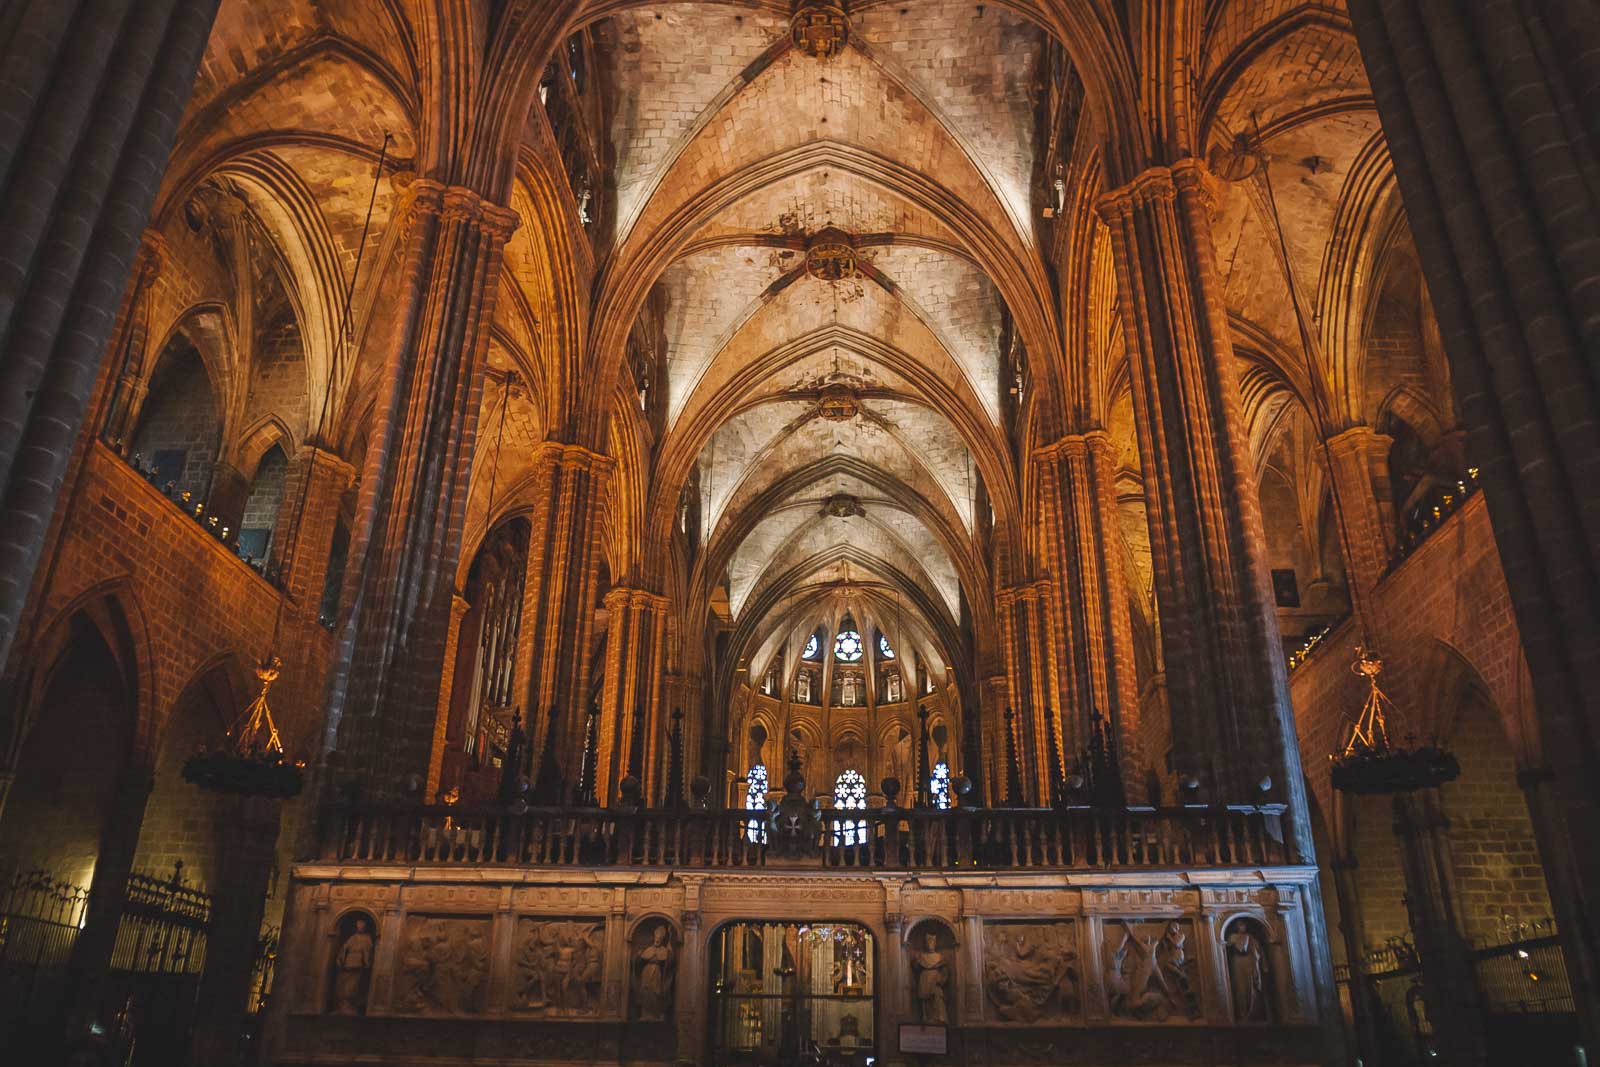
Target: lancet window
<point>849,794</point>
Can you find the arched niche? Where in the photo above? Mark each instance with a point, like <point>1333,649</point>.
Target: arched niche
<point>352,952</point>
<point>930,948</point>
<point>1252,982</point>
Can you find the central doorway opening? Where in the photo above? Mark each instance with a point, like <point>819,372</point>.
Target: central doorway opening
<point>787,994</point>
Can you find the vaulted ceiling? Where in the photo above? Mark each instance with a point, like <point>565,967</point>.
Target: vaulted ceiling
<point>835,434</point>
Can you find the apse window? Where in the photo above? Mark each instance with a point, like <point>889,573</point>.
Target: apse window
<point>813,648</point>
<point>755,799</point>
<point>940,786</point>
<point>883,647</point>
<point>847,647</point>
<point>850,794</point>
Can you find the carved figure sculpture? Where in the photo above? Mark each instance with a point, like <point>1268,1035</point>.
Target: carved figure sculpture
<point>352,964</point>
<point>1247,967</point>
<point>655,967</point>
<point>932,972</point>
<point>1029,975</point>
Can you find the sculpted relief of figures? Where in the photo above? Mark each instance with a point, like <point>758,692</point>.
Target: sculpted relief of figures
<point>1030,971</point>
<point>1150,975</point>
<point>444,963</point>
<point>559,965</point>
<point>655,962</point>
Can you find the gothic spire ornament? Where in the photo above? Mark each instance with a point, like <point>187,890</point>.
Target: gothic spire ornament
<point>820,28</point>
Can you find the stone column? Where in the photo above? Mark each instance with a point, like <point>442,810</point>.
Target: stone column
<point>238,903</point>
<point>1488,112</point>
<point>90,99</point>
<point>230,491</point>
<point>91,952</point>
<point>1360,461</point>
<point>1449,982</point>
<point>631,687</point>
<point>1232,723</point>
<point>398,588</point>
<point>1227,685</point>
<point>554,642</point>
<point>1090,590</point>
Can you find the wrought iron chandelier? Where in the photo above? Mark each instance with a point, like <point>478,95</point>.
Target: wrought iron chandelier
<point>252,762</point>
<point>1372,765</point>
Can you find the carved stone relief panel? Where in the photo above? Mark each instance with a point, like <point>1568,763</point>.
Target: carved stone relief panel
<point>443,965</point>
<point>1031,971</point>
<point>1151,974</point>
<point>560,965</point>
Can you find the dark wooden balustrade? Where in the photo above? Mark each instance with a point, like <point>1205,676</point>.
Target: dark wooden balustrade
<point>876,839</point>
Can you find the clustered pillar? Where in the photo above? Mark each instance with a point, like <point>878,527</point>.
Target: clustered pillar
<point>1097,676</point>
<point>91,100</point>
<point>399,587</point>
<point>1488,114</point>
<point>554,644</point>
<point>631,700</point>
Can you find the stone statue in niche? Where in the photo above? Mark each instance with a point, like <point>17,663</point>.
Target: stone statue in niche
<point>352,966</point>
<point>443,965</point>
<point>1149,974</point>
<point>930,969</point>
<point>1248,986</point>
<point>1030,971</point>
<point>654,967</point>
<point>560,964</point>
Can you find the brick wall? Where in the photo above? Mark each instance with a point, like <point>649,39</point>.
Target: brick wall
<point>1452,659</point>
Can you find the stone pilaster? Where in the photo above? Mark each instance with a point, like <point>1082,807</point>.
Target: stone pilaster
<point>93,95</point>
<point>1360,462</point>
<point>1090,595</point>
<point>1029,645</point>
<point>554,643</point>
<point>1455,1006</point>
<point>91,952</point>
<point>129,369</point>
<point>631,686</point>
<point>239,902</point>
<point>1231,719</point>
<point>1486,114</point>
<point>302,551</point>
<point>398,587</point>
<point>443,724</point>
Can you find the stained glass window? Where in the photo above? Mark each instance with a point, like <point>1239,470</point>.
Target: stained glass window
<point>813,648</point>
<point>847,646</point>
<point>755,799</point>
<point>849,794</point>
<point>883,647</point>
<point>940,786</point>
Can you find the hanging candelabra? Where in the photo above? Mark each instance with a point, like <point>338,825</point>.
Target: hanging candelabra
<point>1370,763</point>
<point>252,761</point>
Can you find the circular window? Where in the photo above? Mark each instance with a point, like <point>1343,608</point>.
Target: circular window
<point>847,646</point>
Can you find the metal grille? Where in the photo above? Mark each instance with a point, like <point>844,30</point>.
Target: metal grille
<point>39,922</point>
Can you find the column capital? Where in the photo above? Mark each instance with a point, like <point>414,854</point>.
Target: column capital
<point>327,465</point>
<point>575,458</point>
<point>1076,445</point>
<point>620,596</point>
<point>1157,183</point>
<point>1023,593</point>
<point>1360,440</point>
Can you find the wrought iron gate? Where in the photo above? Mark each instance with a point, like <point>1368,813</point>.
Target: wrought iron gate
<point>39,922</point>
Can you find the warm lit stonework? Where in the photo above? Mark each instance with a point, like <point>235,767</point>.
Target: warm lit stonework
<point>799,533</point>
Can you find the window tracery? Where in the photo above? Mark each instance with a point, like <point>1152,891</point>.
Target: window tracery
<point>850,794</point>
<point>755,799</point>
